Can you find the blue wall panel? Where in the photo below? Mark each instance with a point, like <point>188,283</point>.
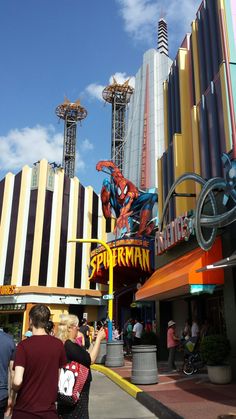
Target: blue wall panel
<point>207,46</point>
<point>213,130</point>
<point>202,63</point>
<point>204,149</point>
<point>214,36</point>
<point>219,104</point>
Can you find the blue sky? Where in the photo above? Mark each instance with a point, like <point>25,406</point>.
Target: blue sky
<point>56,48</point>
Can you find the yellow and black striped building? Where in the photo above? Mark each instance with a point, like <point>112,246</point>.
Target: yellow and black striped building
<point>40,210</point>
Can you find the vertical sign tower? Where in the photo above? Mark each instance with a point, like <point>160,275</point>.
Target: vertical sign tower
<point>119,96</point>
<point>71,113</point>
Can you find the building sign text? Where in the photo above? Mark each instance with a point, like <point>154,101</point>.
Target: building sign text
<point>175,232</point>
<point>125,253</point>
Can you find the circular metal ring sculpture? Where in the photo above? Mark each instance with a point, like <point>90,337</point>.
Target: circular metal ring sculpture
<point>215,221</point>
<point>202,220</point>
<point>182,178</point>
<point>207,191</point>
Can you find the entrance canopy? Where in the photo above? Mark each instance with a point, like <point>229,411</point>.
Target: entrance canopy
<point>223,263</point>
<point>176,278</point>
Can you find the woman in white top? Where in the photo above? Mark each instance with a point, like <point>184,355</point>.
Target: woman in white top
<point>137,332</point>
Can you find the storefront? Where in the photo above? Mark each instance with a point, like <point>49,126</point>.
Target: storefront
<point>181,293</point>
<point>16,302</point>
<point>11,319</point>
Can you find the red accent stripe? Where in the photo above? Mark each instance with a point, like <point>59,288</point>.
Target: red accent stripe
<point>145,158</point>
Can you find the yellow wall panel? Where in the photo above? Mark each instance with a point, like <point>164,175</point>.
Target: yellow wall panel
<point>55,233</point>
<point>92,313</point>
<point>21,229</point>
<point>196,141</point>
<point>185,163</point>
<point>221,9</point>
<point>196,145</point>
<point>183,204</point>
<point>56,311</point>
<point>72,231</point>
<point>85,284</point>
<point>226,112</point>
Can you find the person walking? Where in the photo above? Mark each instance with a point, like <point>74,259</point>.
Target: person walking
<point>137,332</point>
<point>67,331</point>
<point>7,354</point>
<point>80,338</point>
<point>91,332</point>
<point>129,336</point>
<point>172,343</point>
<point>186,330</point>
<point>84,328</point>
<point>37,365</point>
<point>194,328</point>
<point>115,333</point>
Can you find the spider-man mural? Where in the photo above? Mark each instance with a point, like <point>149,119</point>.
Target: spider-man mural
<point>132,207</point>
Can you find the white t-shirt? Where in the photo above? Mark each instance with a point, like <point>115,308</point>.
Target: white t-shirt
<point>194,330</point>
<point>138,328</point>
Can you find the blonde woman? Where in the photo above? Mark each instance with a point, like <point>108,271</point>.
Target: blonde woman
<point>67,332</point>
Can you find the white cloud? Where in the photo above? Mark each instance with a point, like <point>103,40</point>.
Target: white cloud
<point>121,78</point>
<point>86,145</point>
<point>80,164</point>
<point>141,17</point>
<point>94,90</point>
<point>27,145</point>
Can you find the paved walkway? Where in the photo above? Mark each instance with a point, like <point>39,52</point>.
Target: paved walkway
<point>177,396</point>
<point>109,401</point>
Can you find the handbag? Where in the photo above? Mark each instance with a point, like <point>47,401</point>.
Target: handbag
<point>71,382</point>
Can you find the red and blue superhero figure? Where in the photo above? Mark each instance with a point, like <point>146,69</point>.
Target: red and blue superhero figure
<point>132,207</point>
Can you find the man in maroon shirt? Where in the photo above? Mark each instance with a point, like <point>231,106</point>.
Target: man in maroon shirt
<point>37,363</point>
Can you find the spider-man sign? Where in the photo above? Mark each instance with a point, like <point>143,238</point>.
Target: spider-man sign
<point>132,207</point>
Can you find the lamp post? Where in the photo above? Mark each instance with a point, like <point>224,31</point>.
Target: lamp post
<point>110,299</point>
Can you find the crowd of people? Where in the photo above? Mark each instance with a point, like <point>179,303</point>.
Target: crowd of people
<point>191,332</point>
<point>30,373</point>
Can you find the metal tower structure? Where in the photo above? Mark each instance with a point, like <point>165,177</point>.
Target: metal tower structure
<point>118,95</point>
<point>71,113</point>
<point>162,38</point>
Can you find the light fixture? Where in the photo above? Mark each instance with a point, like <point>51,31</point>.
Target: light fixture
<point>201,288</point>
<point>62,298</point>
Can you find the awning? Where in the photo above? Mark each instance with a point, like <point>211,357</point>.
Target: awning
<point>175,278</point>
<point>223,263</point>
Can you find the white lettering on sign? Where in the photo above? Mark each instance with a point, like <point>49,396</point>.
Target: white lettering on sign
<point>173,233</point>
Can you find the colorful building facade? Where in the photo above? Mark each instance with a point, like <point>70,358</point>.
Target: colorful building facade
<point>198,97</point>
<point>41,209</point>
<point>145,129</point>
<point>199,115</point>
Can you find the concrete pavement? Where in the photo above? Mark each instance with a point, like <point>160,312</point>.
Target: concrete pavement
<point>109,401</point>
<point>177,396</point>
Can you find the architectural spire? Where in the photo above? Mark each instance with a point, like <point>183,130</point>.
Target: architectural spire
<point>162,39</point>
